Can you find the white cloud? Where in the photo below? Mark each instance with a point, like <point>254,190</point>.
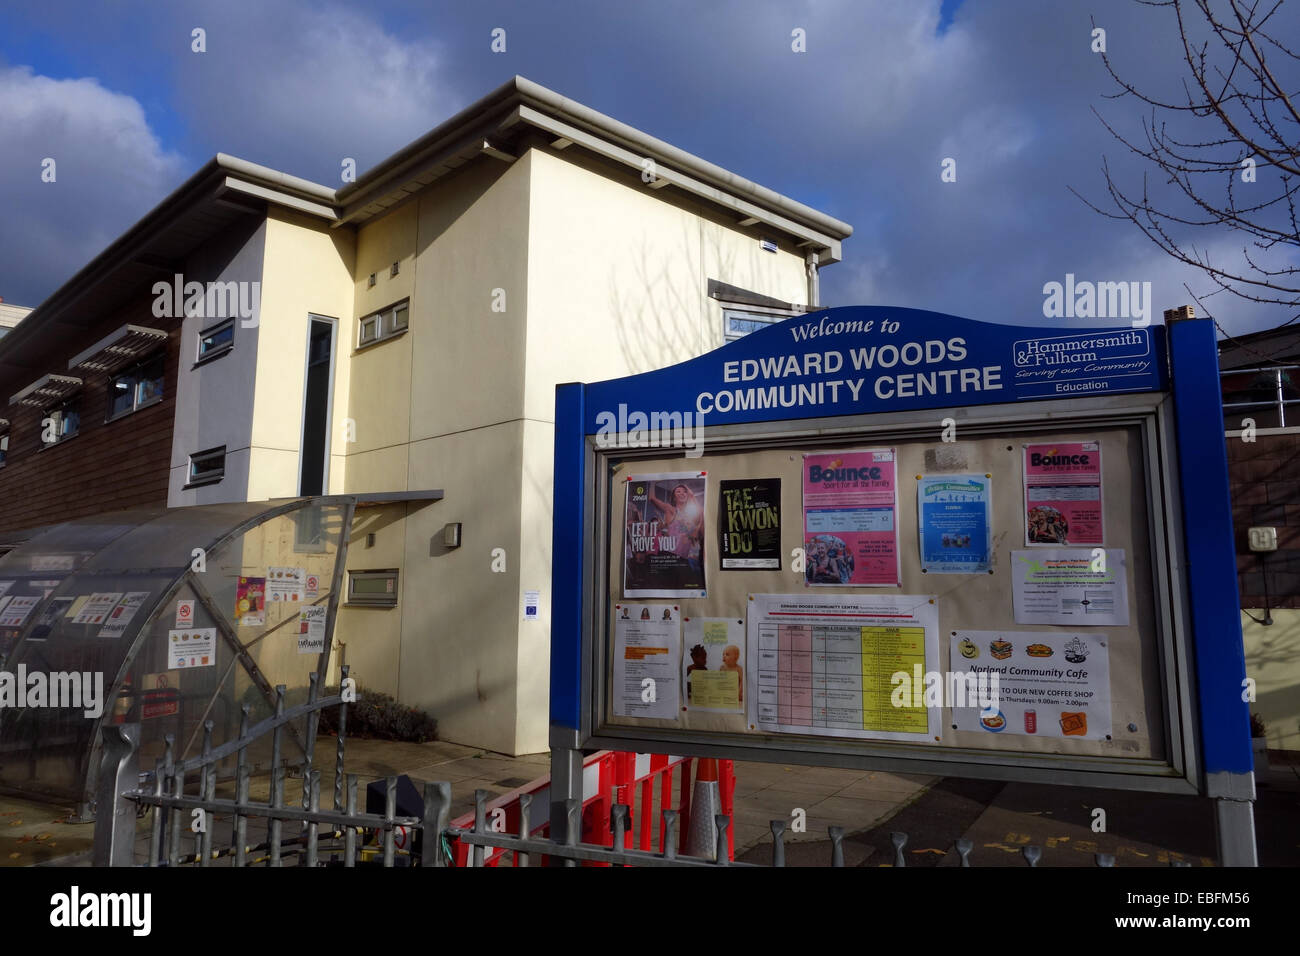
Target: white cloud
<point>109,168</point>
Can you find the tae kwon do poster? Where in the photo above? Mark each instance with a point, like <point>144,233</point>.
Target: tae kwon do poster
<point>664,537</point>
<point>749,524</point>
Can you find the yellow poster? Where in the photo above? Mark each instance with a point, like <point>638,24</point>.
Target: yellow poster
<point>887,651</point>
<point>714,664</point>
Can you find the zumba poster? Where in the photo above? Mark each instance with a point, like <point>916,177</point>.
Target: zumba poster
<point>849,508</point>
<point>663,522</point>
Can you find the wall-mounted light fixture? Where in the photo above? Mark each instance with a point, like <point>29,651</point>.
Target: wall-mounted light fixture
<point>451,535</point>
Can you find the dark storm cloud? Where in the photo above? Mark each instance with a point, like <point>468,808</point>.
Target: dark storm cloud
<point>857,126</point>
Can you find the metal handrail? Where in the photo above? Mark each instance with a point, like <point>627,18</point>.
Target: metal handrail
<point>1279,400</point>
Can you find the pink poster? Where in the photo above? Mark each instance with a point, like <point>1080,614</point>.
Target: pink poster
<point>1063,493</point>
<point>849,508</point>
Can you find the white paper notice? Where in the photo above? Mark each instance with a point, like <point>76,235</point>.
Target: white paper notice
<point>311,629</point>
<point>1070,586</point>
<point>647,647</point>
<point>285,584</point>
<point>184,613</point>
<point>16,610</point>
<point>121,615</point>
<point>195,647</point>
<point>825,665</point>
<point>532,605</point>
<point>98,607</point>
<point>1050,684</point>
<point>4,587</point>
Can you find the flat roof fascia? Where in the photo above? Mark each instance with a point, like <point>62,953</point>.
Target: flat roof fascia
<point>219,174</point>
<point>521,99</point>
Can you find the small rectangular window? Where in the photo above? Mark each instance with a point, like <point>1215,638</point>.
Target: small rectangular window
<point>384,324</point>
<point>396,268</point>
<point>207,467</point>
<point>737,323</point>
<point>309,530</point>
<point>373,588</point>
<point>60,423</point>
<point>217,340</point>
<point>136,387</point>
<point>4,448</point>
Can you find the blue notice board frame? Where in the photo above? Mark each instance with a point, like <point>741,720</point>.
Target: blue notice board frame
<point>787,375</point>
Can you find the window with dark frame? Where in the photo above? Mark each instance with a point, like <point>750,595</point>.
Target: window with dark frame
<point>385,324</point>
<point>373,588</point>
<point>137,387</point>
<point>61,421</point>
<point>309,533</point>
<point>207,467</point>
<point>216,340</point>
<point>4,448</point>
<point>739,322</point>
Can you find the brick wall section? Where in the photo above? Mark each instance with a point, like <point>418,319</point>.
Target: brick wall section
<point>1264,476</point>
<point>106,466</point>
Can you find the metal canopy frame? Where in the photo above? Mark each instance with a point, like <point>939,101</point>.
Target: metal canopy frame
<point>178,578</point>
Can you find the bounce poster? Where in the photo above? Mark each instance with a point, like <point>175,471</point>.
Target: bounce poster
<point>1063,493</point>
<point>663,521</point>
<point>849,512</point>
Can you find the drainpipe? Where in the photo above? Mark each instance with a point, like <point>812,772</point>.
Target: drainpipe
<point>814,290</point>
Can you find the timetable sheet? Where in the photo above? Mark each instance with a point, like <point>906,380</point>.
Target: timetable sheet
<point>826,665</point>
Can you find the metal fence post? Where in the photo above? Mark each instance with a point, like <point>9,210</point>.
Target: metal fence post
<point>437,810</point>
<point>119,770</point>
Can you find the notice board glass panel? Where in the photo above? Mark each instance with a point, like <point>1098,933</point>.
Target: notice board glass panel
<point>965,602</point>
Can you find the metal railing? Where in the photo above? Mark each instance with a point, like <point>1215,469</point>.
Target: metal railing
<point>337,831</point>
<point>483,838</point>
<point>220,825</point>
<point>1279,401</point>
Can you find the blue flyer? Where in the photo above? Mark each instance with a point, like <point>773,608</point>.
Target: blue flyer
<point>954,515</point>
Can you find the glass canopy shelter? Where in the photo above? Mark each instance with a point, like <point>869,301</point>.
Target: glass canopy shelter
<point>179,616</point>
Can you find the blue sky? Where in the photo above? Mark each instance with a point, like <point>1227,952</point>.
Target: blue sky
<point>857,126</point>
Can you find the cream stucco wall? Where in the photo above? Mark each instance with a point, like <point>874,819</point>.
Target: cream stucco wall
<point>371,637</point>
<point>439,407</point>
<point>599,276</point>
<point>307,270</point>
<point>617,284</point>
<point>1273,660</point>
<point>618,275</point>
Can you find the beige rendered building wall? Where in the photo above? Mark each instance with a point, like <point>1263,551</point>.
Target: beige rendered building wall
<point>1273,660</point>
<point>618,284</point>
<point>307,270</point>
<point>600,277</point>
<point>439,407</point>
